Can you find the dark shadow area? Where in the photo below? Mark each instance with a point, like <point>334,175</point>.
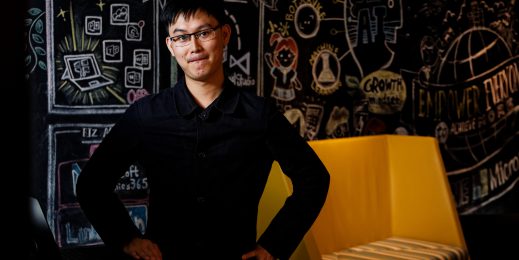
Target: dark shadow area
<point>99,252</point>
<point>491,236</point>
<point>15,128</point>
<point>492,232</point>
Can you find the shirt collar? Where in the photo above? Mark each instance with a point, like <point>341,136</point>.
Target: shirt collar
<point>185,104</point>
<point>228,100</point>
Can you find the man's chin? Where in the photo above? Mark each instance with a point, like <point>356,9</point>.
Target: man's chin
<point>199,75</point>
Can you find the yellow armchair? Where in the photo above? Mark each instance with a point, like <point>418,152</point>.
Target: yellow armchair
<point>381,186</point>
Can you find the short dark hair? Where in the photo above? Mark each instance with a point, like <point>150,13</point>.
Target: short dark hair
<point>174,8</point>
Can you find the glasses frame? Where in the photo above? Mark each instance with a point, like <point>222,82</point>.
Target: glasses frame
<point>211,30</point>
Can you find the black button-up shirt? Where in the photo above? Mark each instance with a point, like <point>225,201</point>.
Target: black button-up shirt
<point>207,169</point>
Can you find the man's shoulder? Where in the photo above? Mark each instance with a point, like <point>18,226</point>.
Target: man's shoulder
<point>251,97</point>
<point>163,95</point>
<point>246,93</point>
<point>158,103</point>
<point>250,93</point>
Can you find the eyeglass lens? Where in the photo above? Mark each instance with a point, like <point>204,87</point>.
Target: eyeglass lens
<point>185,39</point>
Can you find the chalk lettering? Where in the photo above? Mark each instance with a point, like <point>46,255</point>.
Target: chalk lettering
<point>453,104</point>
<point>503,171</point>
<point>501,85</point>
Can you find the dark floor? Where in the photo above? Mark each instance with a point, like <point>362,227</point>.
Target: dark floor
<point>94,253</point>
<point>491,236</point>
<point>488,237</point>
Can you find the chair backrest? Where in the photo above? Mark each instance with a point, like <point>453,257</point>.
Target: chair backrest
<point>357,209</point>
<point>45,246</point>
<point>383,186</point>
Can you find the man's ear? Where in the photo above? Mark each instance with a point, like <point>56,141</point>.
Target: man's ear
<point>226,30</point>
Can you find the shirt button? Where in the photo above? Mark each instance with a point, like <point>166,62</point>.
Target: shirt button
<point>203,115</point>
<point>200,200</point>
<point>201,155</point>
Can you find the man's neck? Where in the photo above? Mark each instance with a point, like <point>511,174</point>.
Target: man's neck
<point>205,92</point>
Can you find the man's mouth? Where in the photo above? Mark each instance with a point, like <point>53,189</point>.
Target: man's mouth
<point>196,58</point>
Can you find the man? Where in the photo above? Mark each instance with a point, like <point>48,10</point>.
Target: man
<point>207,148</point>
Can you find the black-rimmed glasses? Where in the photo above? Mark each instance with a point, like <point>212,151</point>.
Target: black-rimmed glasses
<point>185,39</point>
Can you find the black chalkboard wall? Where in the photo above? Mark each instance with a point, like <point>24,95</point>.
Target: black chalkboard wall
<point>447,69</point>
<point>87,61</point>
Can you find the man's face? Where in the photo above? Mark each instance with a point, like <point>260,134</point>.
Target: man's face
<point>201,60</point>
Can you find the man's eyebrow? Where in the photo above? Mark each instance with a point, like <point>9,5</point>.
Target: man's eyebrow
<point>179,30</point>
<point>199,28</point>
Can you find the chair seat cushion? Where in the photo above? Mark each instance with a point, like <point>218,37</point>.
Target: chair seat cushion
<point>399,248</point>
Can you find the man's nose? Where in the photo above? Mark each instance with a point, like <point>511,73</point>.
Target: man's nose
<point>194,42</point>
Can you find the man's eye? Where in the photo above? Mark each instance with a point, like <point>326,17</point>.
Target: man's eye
<point>182,38</point>
<point>203,34</point>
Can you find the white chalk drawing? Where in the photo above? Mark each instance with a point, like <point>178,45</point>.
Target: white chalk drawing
<point>89,58</point>
<point>133,76</point>
<point>134,31</point>
<point>93,25</point>
<point>119,14</point>
<point>84,72</point>
<point>142,58</point>
<point>113,51</point>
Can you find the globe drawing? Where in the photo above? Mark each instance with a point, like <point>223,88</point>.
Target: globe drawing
<point>476,55</point>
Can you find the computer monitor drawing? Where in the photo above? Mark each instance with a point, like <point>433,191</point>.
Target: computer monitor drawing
<point>83,71</point>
